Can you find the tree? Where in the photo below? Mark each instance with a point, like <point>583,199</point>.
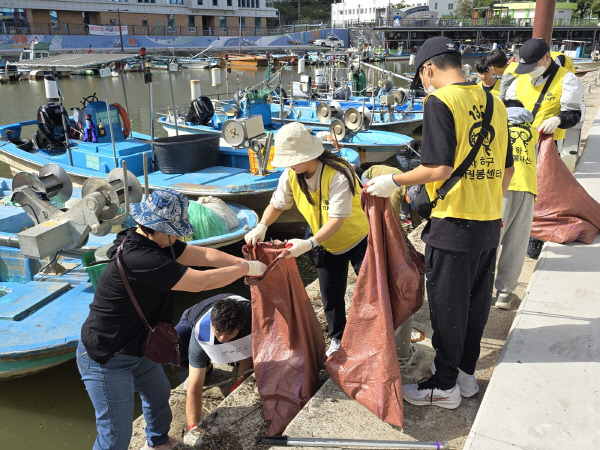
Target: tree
<point>309,10</point>
<point>587,9</point>
<point>465,8</point>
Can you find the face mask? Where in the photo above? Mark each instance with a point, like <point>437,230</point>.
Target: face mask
<point>537,72</point>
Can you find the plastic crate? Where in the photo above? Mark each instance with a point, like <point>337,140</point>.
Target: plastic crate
<point>254,161</point>
<point>95,271</point>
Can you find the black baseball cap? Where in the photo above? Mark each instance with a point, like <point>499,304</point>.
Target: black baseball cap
<point>530,53</point>
<point>432,47</point>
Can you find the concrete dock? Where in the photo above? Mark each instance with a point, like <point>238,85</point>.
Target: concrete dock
<point>538,371</point>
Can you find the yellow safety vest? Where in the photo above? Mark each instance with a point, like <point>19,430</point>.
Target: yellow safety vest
<point>511,69</point>
<point>478,195</point>
<point>495,89</point>
<point>523,138</point>
<point>568,62</point>
<point>354,228</point>
<point>550,107</point>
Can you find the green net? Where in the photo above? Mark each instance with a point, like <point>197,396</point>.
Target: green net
<point>258,97</point>
<point>205,221</point>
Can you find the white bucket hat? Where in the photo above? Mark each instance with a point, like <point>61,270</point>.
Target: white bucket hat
<point>294,144</point>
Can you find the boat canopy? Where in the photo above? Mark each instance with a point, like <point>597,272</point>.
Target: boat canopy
<point>75,61</point>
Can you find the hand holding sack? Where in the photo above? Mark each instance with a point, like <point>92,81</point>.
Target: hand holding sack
<point>549,125</point>
<point>382,186</point>
<point>300,246</point>
<point>256,268</point>
<point>256,235</point>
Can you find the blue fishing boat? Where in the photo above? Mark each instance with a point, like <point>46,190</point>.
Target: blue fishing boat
<point>371,145</point>
<point>40,314</point>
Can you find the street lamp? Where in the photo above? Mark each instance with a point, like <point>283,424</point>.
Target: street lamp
<point>119,20</point>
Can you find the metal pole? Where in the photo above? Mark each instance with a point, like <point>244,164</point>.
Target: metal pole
<point>172,99</point>
<point>120,32</point>
<point>151,118</point>
<point>112,137</point>
<point>240,36</point>
<point>124,90</point>
<point>544,20</point>
<point>66,125</point>
<point>288,441</point>
<point>386,72</point>
<point>146,189</point>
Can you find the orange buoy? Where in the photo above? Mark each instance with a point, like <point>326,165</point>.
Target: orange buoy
<point>124,119</point>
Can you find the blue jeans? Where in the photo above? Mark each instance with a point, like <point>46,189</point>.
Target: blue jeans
<point>111,388</point>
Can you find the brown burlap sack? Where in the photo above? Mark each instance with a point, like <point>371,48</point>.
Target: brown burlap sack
<point>388,291</point>
<point>564,211</point>
<point>288,346</point>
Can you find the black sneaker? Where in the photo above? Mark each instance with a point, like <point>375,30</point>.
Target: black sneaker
<point>534,248</point>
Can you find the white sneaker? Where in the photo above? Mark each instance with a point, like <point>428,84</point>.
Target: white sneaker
<point>168,445</point>
<point>467,383</point>
<point>333,347</point>
<point>503,300</point>
<point>425,393</point>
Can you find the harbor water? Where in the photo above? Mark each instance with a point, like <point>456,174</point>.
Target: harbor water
<point>51,410</point>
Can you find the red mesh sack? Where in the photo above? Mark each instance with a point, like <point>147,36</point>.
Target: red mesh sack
<point>288,347</point>
<point>388,291</point>
<point>564,211</point>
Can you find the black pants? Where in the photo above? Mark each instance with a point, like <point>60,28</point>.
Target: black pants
<point>459,289</point>
<point>333,279</point>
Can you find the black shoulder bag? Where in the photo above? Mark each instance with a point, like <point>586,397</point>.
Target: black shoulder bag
<point>318,252</point>
<point>540,99</point>
<point>161,342</point>
<point>422,203</point>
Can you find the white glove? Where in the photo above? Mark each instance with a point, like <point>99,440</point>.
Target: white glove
<point>256,235</point>
<point>382,186</point>
<point>301,246</point>
<point>549,125</point>
<point>255,268</point>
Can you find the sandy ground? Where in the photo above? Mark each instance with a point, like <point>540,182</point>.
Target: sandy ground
<point>420,423</point>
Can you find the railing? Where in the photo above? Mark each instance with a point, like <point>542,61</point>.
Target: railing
<point>471,22</point>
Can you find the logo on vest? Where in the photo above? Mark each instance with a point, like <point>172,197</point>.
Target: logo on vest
<point>520,136</point>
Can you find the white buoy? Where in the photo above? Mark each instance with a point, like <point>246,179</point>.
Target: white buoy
<point>301,65</point>
<point>195,88</point>
<point>411,60</point>
<point>319,77</point>
<point>562,48</point>
<point>494,46</point>
<point>513,48</point>
<point>51,86</point>
<point>216,77</point>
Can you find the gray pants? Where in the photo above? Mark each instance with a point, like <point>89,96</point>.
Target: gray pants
<point>517,215</point>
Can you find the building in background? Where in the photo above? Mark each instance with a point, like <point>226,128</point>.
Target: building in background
<point>379,12</point>
<point>526,10</point>
<point>177,17</point>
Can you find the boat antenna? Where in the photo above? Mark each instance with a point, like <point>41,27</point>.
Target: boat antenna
<point>106,72</point>
<point>173,68</point>
<point>148,81</point>
<point>121,66</point>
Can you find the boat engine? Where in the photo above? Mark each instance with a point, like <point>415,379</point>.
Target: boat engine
<point>201,111</point>
<point>51,118</point>
<point>103,204</point>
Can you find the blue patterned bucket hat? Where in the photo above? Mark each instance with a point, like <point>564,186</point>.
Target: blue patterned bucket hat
<point>165,210</point>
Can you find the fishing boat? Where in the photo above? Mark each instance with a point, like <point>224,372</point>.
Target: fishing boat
<point>371,145</point>
<point>248,61</point>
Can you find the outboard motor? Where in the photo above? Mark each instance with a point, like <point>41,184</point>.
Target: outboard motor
<point>342,93</point>
<point>201,111</point>
<point>51,118</point>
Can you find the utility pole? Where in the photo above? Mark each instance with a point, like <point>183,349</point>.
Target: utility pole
<point>544,20</point>
<point>298,10</point>
<point>119,21</point>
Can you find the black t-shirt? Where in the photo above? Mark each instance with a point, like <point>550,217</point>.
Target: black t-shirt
<point>197,356</point>
<point>113,325</point>
<point>439,147</point>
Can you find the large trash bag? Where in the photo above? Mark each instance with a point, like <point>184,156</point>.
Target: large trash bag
<point>288,346</point>
<point>564,211</point>
<point>388,291</point>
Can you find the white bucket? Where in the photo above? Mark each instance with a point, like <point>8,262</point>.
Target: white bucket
<point>195,89</point>
<point>215,77</point>
<point>301,65</point>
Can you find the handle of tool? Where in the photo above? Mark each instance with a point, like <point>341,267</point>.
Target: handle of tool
<point>277,441</point>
